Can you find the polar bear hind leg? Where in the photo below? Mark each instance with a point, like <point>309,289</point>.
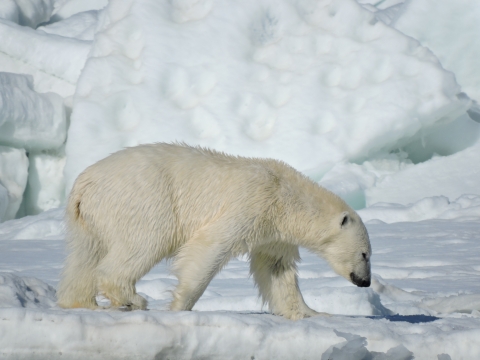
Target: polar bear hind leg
<point>77,287</point>
<point>117,283</point>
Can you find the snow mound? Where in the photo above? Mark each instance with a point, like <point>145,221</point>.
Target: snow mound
<point>25,292</point>
<point>450,29</point>
<point>13,180</point>
<point>355,348</point>
<point>456,303</point>
<point>346,301</point>
<point>45,226</point>
<point>357,183</point>
<point>350,181</point>
<point>27,119</point>
<point>440,176</point>
<point>263,78</point>
<point>466,207</point>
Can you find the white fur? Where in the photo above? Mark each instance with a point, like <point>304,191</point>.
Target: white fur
<point>141,205</point>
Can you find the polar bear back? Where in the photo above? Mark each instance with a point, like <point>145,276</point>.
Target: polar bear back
<point>165,192</point>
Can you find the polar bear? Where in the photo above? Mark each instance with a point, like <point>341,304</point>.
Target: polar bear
<point>200,207</point>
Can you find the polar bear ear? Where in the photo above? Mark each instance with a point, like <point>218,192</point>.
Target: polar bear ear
<point>344,219</point>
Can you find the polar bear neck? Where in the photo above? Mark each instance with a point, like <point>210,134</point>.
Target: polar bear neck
<point>304,212</point>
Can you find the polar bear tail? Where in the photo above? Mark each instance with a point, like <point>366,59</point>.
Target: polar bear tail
<point>77,287</point>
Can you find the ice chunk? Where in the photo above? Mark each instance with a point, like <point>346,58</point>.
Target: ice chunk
<point>346,301</point>
<point>27,12</point>
<point>13,178</point>
<point>350,181</point>
<point>445,139</point>
<point>3,201</point>
<point>35,12</point>
<point>311,83</point>
<point>355,348</point>
<point>46,187</point>
<point>26,292</point>
<point>435,177</point>
<point>80,26</point>
<point>27,119</point>
<point>9,11</point>
<point>54,61</point>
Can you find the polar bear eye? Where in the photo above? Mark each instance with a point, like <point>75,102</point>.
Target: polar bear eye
<point>365,256</point>
<point>344,221</point>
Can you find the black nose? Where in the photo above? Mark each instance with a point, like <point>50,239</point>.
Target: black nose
<point>359,281</point>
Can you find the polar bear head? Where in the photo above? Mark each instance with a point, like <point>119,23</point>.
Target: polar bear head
<point>348,249</point>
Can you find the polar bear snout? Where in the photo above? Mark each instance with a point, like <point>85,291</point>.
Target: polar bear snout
<point>359,281</point>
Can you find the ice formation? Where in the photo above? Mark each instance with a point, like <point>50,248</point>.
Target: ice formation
<point>326,86</point>
<point>30,120</point>
<point>45,188</point>
<point>13,180</point>
<point>450,176</point>
<point>311,83</point>
<point>450,29</point>
<point>55,62</point>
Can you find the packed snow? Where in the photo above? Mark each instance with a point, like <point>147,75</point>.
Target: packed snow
<point>424,300</point>
<point>375,100</point>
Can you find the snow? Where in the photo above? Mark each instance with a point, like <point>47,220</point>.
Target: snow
<point>80,26</point>
<point>27,12</point>
<point>54,61</point>
<point>424,299</point>
<point>450,176</point>
<point>436,207</point>
<point>456,43</point>
<point>27,119</point>
<point>13,180</point>
<point>65,9</point>
<point>45,188</point>
<point>375,100</point>
<point>258,79</point>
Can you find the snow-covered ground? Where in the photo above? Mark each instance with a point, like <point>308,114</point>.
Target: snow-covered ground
<point>425,298</point>
<point>375,100</point>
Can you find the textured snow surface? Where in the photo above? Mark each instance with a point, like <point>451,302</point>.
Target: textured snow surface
<point>450,176</point>
<point>308,82</point>
<point>45,188</point>
<point>54,61</point>
<point>323,85</point>
<point>80,26</point>
<point>424,299</point>
<point>27,119</point>
<point>450,29</point>
<point>13,180</point>
<point>466,207</point>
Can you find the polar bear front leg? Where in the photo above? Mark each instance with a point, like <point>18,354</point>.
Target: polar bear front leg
<point>198,261</point>
<point>275,273</point>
